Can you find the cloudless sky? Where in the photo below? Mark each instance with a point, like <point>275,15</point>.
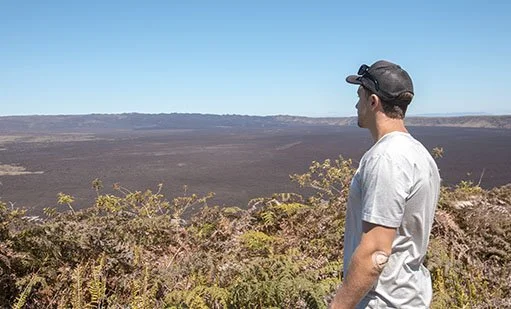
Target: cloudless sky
<point>248,57</point>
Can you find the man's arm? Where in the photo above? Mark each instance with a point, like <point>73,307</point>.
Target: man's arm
<point>366,265</point>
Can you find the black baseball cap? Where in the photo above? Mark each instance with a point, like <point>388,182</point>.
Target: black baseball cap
<point>385,79</point>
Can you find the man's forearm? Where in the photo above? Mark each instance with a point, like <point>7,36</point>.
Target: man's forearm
<point>362,273</point>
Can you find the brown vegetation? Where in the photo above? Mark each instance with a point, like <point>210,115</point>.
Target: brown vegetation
<point>134,249</point>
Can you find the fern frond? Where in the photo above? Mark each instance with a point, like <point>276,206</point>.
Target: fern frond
<point>97,285</point>
<point>78,293</point>
<point>21,300</point>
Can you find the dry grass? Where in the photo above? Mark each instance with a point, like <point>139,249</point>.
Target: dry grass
<point>47,138</point>
<point>14,170</point>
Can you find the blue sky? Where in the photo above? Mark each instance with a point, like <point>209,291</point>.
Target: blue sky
<point>248,57</point>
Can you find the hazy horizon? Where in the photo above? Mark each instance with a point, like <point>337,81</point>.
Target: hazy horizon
<point>443,115</point>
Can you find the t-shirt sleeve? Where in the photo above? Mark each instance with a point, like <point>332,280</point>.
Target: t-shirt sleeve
<point>385,187</point>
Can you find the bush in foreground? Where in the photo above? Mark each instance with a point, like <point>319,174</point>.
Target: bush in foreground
<point>134,249</point>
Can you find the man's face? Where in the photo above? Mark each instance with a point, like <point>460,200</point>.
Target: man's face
<point>362,107</point>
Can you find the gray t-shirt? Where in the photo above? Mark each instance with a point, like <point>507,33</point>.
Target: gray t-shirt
<point>396,185</point>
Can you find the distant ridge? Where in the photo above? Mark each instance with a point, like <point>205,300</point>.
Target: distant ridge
<point>499,122</point>
<point>453,114</point>
<point>137,121</point>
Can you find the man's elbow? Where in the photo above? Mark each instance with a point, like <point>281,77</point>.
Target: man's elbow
<point>379,259</point>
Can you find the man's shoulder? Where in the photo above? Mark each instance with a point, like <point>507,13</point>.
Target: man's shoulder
<point>400,149</point>
<point>396,138</point>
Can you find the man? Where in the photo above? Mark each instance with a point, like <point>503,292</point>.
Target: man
<point>392,201</point>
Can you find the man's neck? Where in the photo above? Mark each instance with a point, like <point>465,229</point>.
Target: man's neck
<point>386,125</point>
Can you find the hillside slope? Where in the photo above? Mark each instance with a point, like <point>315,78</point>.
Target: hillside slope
<point>136,121</point>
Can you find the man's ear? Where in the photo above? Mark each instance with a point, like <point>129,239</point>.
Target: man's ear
<point>375,101</point>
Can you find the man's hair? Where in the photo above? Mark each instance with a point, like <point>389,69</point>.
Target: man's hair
<point>395,109</point>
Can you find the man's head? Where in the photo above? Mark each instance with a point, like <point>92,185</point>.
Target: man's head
<point>385,87</point>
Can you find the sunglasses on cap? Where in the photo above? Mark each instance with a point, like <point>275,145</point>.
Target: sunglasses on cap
<point>363,71</point>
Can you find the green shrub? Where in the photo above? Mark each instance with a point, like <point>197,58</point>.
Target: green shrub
<point>134,249</point>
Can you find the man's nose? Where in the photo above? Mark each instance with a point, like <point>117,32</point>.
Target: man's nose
<point>356,105</point>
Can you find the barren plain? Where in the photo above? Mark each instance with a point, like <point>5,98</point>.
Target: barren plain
<point>238,164</point>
